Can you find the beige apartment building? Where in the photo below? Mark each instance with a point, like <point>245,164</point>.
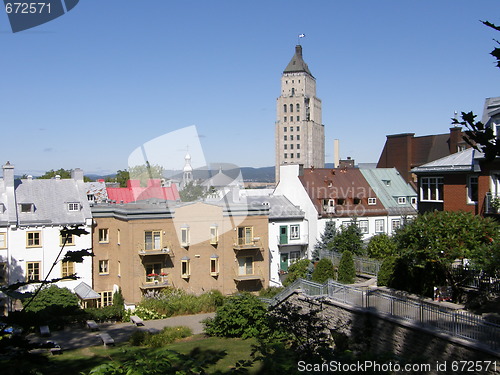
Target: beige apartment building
<point>299,132</point>
<point>196,247</point>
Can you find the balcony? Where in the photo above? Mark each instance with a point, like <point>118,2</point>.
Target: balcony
<point>243,243</point>
<point>289,241</point>
<point>255,275</point>
<point>166,250</point>
<point>155,282</point>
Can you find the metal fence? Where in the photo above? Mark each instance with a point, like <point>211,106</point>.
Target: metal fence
<point>457,323</point>
<point>475,279</point>
<point>363,265</point>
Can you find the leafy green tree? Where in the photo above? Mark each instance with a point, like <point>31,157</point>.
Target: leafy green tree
<point>297,270</point>
<point>348,238</point>
<point>63,173</point>
<point>243,315</point>
<point>346,271</point>
<point>192,192</point>
<point>146,172</point>
<point>381,246</point>
<point>122,176</point>
<point>323,271</point>
<point>386,274</point>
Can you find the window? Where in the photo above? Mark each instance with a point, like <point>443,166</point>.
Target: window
<point>298,129</point>
<point>153,271</point>
<point>106,299</point>
<point>104,267</point>
<point>245,266</point>
<point>340,201</point>
<point>401,200</point>
<point>414,201</point>
<point>73,206</point>
<point>285,146</point>
<point>104,235</point>
<point>396,223</point>
<point>152,240</point>
<point>298,146</point>
<point>363,226</point>
<point>27,207</point>
<point>379,226</point>
<point>291,137</point>
<point>245,235</point>
<point>291,146</point>
<point>185,236</point>
<point>284,119</point>
<point>284,138</point>
<point>431,189</point>
<point>3,240</point>
<point>91,198</point>
<point>284,129</point>
<point>291,155</point>
<point>33,239</point>
<point>284,107</point>
<point>214,265</point>
<point>294,232</point>
<point>294,256</point>
<point>372,201</point>
<point>298,118</point>
<point>185,271</point>
<point>33,271</point>
<point>298,137</point>
<point>298,154</point>
<point>472,189</point>
<point>291,128</point>
<point>291,107</point>
<point>214,235</point>
<point>356,200</point>
<point>68,269</point>
<point>69,238</point>
<point>286,155</point>
<point>297,107</point>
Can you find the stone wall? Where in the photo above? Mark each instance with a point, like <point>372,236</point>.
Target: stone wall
<point>372,332</point>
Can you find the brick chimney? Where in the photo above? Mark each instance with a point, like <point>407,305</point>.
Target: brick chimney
<point>455,139</point>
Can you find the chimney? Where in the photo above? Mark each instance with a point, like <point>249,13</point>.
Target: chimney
<point>77,174</point>
<point>455,138</point>
<point>336,153</point>
<point>8,175</point>
<point>298,50</point>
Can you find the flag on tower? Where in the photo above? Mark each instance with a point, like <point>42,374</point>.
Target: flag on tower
<point>302,35</point>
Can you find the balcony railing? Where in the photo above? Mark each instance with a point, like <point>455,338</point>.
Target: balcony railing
<point>164,250</point>
<point>243,243</point>
<point>154,282</point>
<point>256,275</point>
<point>301,240</point>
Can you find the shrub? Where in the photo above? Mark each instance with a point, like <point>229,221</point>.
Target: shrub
<point>348,239</point>
<point>105,313</point>
<point>270,292</point>
<point>381,246</point>
<point>347,271</point>
<point>243,315</point>
<point>297,270</point>
<point>324,270</point>
<point>386,273</point>
<point>157,340</point>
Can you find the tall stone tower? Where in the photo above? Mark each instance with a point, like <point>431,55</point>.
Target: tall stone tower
<point>300,134</point>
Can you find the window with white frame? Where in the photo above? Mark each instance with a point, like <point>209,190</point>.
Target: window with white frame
<point>294,256</point>
<point>363,226</point>
<point>472,189</point>
<point>401,200</point>
<point>396,223</point>
<point>3,240</point>
<point>431,189</point>
<point>185,269</point>
<point>214,265</point>
<point>294,232</point>
<point>379,226</point>
<point>73,206</point>
<point>185,236</point>
<point>372,201</point>
<point>214,235</point>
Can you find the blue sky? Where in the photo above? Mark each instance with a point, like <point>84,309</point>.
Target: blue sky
<point>88,88</point>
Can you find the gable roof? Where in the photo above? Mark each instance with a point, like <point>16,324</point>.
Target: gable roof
<point>297,63</point>
<point>460,161</point>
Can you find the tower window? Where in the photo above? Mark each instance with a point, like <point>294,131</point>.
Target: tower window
<point>298,137</point>
<point>291,137</point>
<point>298,128</point>
<point>286,155</point>
<point>298,146</point>
<point>284,119</point>
<point>298,154</point>
<point>285,129</point>
<point>291,155</point>
<point>291,146</point>
<point>285,146</point>
<point>284,108</point>
<point>293,91</point>
<point>284,138</point>
<point>298,118</point>
<point>291,107</point>
<point>297,107</point>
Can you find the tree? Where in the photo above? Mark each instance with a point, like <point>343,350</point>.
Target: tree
<point>323,271</point>
<point>433,241</point>
<point>326,238</point>
<point>122,176</point>
<point>477,135</point>
<point>145,172</point>
<point>192,192</point>
<point>297,270</point>
<point>61,172</point>
<point>381,246</point>
<point>347,271</point>
<point>348,238</point>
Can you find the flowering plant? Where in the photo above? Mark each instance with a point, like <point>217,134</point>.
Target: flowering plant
<point>152,275</point>
<point>163,274</point>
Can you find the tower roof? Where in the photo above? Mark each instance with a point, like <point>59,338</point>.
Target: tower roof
<point>297,63</point>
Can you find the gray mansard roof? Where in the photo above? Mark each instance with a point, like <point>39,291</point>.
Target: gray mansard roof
<point>297,63</point>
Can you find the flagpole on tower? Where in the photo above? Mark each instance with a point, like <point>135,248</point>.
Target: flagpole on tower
<point>299,37</point>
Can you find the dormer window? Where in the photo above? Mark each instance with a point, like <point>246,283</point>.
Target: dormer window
<point>73,206</point>
<point>27,207</point>
<point>372,201</point>
<point>401,200</point>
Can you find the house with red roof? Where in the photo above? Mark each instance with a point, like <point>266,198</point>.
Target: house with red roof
<point>136,192</point>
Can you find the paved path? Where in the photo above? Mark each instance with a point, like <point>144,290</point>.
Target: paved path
<point>75,337</point>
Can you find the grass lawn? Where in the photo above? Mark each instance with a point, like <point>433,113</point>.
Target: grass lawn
<point>79,361</point>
